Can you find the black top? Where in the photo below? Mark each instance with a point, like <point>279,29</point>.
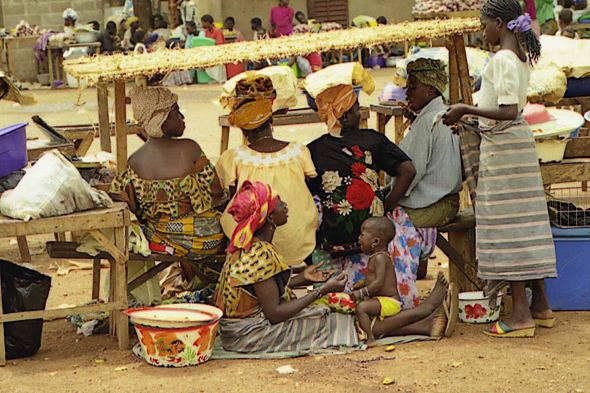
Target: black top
<point>348,184</point>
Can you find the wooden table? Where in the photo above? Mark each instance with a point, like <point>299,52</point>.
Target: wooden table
<point>385,113</point>
<point>117,218</point>
<point>293,117</point>
<point>58,69</point>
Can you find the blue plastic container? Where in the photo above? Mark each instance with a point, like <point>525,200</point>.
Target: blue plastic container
<point>13,148</point>
<point>577,87</point>
<point>571,290</point>
<point>313,105</point>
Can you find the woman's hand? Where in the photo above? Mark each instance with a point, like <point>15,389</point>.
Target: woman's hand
<point>356,295</point>
<point>454,114</point>
<point>334,284</point>
<point>313,275</point>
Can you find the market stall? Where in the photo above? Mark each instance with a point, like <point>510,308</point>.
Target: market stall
<point>119,69</point>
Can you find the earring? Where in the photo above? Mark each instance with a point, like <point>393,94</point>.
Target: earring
<point>273,226</point>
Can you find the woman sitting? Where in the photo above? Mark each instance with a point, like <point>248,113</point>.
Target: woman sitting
<point>283,165</point>
<point>432,199</point>
<point>256,296</point>
<point>169,184</point>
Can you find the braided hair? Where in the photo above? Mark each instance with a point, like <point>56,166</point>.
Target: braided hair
<point>508,10</point>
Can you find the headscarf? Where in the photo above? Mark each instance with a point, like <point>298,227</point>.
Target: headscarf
<point>70,13</point>
<point>151,106</point>
<point>257,93</point>
<point>131,20</point>
<point>429,72</point>
<point>333,103</point>
<point>252,205</point>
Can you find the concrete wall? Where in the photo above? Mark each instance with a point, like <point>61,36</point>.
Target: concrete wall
<point>48,13</point>
<point>22,59</point>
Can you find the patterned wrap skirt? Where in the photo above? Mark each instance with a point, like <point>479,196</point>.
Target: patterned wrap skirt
<point>514,240</point>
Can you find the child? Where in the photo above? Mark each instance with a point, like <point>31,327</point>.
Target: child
<point>259,31</point>
<point>565,22</point>
<point>510,205</point>
<point>379,297</point>
<point>281,19</point>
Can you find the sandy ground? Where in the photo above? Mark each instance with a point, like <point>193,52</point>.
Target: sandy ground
<point>556,360</point>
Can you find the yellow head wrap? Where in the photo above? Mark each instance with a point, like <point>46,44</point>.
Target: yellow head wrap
<point>131,20</point>
<point>429,72</point>
<point>333,103</point>
<point>251,115</point>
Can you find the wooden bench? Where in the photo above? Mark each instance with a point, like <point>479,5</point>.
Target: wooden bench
<point>460,249</point>
<point>67,250</point>
<point>117,218</point>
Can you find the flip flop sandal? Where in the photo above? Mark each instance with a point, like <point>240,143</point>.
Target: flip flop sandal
<point>451,307</point>
<point>501,330</point>
<point>545,323</point>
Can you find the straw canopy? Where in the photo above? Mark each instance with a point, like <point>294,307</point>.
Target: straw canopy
<point>124,67</point>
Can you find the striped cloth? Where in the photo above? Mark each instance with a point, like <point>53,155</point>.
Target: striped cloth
<point>316,327</point>
<point>501,165</point>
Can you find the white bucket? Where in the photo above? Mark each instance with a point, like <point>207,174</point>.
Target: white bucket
<point>474,307</point>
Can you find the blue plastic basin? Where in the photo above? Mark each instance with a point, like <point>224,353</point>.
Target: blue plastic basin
<point>13,148</point>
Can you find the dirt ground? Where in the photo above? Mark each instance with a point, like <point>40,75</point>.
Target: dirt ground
<point>556,360</point>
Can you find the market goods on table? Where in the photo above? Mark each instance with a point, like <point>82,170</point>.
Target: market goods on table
<point>348,74</point>
<point>434,7</point>
<point>552,130</point>
<point>548,82</point>
<point>123,67</point>
<point>23,29</point>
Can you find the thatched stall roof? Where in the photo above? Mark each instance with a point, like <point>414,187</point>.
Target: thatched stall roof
<point>123,67</point>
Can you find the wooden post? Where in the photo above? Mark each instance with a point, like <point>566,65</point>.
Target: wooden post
<point>122,325</point>
<point>121,125</point>
<point>96,265</point>
<point>463,66</point>
<point>104,123</point>
<point>399,129</point>
<point>464,243</point>
<point>2,346</point>
<point>23,246</point>
<point>50,64</point>
<point>224,139</point>
<point>453,73</point>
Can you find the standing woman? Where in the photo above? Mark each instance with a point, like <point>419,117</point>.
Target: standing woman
<point>514,241</point>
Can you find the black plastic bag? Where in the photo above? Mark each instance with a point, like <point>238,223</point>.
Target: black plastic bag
<point>22,290</point>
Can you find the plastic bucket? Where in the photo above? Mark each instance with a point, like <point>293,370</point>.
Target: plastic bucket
<point>474,307</point>
<point>13,148</point>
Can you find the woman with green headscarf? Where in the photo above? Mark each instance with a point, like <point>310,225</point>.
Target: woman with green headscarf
<point>433,197</point>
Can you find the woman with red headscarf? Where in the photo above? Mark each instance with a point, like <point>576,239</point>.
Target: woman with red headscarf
<point>255,288</point>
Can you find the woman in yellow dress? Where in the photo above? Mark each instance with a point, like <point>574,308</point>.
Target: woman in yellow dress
<point>282,165</point>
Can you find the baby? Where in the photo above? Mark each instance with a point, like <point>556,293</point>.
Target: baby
<point>379,297</point>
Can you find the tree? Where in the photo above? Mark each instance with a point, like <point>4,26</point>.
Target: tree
<point>143,10</point>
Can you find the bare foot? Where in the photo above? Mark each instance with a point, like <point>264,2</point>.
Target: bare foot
<point>438,322</point>
<point>371,343</point>
<point>438,293</point>
<point>542,314</point>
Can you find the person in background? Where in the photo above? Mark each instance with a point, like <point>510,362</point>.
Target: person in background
<point>95,25</point>
<point>140,38</point>
<point>70,19</point>
<point>132,27</point>
<point>531,9</point>
<point>364,21</point>
<point>546,16</point>
<point>381,21</point>
<point>219,73</point>
<point>281,19</point>
<point>107,39</point>
<point>160,27</point>
<point>565,23</point>
<point>230,29</point>
<point>260,32</point>
<point>301,18</point>
<point>191,32</point>
<point>178,31</point>
<point>188,10</point>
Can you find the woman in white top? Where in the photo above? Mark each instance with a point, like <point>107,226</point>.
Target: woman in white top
<point>514,241</point>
